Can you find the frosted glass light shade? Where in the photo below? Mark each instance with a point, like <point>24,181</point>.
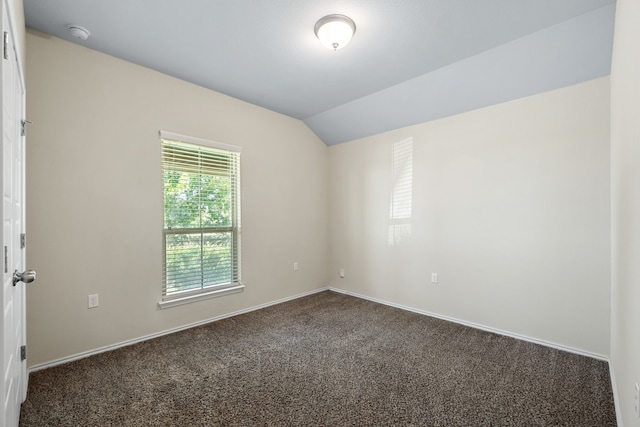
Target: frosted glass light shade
<point>335,31</point>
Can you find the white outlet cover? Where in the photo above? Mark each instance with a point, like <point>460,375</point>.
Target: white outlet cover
<point>93,301</point>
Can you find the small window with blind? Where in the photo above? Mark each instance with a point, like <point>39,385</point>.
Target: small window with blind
<point>201,232</point>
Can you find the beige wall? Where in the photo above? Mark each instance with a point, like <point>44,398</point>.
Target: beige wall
<point>625,216</point>
<point>94,198</point>
<point>510,206</point>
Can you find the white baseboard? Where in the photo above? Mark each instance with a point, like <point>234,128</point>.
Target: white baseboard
<point>475,325</point>
<point>357,295</point>
<point>293,297</point>
<point>167,332</point>
<point>616,400</point>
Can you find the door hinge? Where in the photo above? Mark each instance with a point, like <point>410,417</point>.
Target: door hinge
<point>5,45</point>
<point>6,260</point>
<point>23,240</point>
<point>23,352</point>
<point>23,127</point>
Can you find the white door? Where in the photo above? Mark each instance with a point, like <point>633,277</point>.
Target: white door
<point>12,297</point>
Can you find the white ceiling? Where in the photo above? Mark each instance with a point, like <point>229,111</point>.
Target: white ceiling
<point>410,60</point>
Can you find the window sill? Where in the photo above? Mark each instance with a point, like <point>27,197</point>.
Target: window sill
<point>199,297</point>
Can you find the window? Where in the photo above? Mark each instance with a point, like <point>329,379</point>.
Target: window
<point>201,232</point>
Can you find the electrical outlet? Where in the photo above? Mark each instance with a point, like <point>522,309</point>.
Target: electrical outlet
<point>637,399</point>
<point>295,266</point>
<point>434,277</point>
<point>92,301</point>
<point>342,273</point>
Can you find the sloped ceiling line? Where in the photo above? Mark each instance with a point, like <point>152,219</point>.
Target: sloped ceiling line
<point>572,52</point>
<point>410,61</point>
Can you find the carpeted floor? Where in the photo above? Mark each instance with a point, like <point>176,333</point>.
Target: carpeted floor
<point>325,360</point>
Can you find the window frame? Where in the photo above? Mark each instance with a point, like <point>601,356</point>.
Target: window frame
<point>204,292</point>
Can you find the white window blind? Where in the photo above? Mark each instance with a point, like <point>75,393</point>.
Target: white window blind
<point>201,195</point>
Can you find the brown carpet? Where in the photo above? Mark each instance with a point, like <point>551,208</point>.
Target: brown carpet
<point>325,360</point>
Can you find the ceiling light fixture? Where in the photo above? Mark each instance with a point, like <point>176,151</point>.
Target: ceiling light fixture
<point>335,31</point>
<point>78,32</point>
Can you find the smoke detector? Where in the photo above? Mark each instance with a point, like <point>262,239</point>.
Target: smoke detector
<point>78,31</point>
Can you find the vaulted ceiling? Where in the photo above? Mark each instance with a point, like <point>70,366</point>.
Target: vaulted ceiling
<point>410,61</point>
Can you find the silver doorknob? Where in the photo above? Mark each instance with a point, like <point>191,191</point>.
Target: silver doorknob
<point>27,276</point>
